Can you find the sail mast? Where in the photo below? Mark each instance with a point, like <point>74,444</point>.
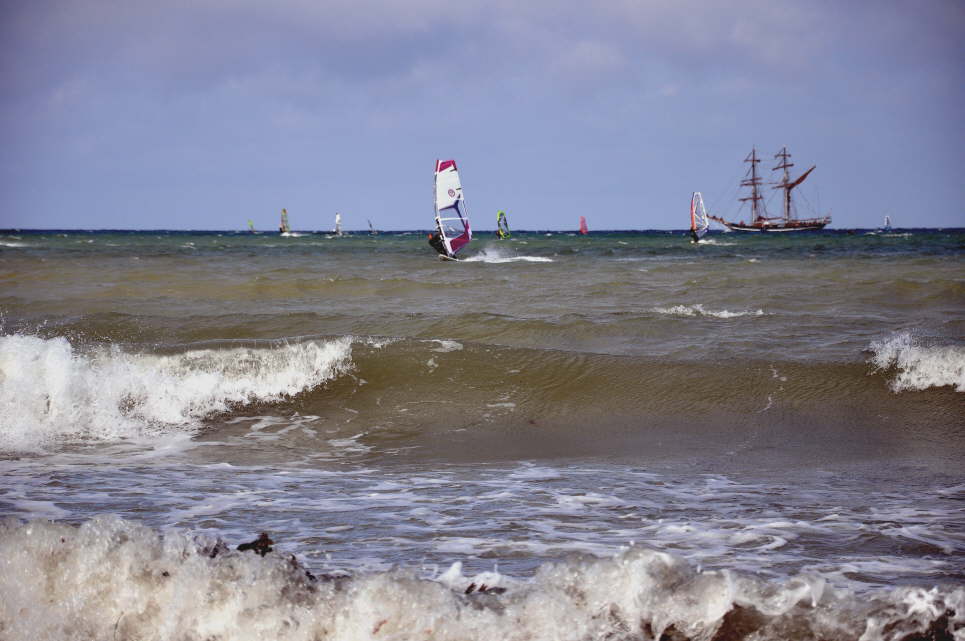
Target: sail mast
<point>753,182</point>
<point>785,183</point>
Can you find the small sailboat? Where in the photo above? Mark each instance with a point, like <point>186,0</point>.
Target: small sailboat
<point>502,225</point>
<point>251,226</point>
<point>338,224</point>
<point>283,227</point>
<point>887,226</point>
<point>452,218</point>
<point>372,231</point>
<point>699,222</point>
<point>583,228</point>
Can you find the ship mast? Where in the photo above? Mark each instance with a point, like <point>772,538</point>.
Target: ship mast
<point>753,182</point>
<point>786,183</point>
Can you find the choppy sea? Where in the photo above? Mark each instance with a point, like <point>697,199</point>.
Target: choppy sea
<point>619,436</point>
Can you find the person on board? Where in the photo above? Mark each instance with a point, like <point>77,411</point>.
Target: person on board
<point>435,240</point>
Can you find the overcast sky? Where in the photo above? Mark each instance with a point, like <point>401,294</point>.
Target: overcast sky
<point>202,114</point>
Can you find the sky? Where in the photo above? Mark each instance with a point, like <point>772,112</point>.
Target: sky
<point>202,114</point>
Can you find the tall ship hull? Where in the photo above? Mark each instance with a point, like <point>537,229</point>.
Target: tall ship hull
<point>761,222</point>
<point>796,225</point>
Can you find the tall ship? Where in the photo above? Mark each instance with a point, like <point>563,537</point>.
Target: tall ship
<point>761,221</point>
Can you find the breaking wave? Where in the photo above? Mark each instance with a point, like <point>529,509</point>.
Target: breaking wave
<point>919,366</point>
<point>114,579</point>
<point>698,310</point>
<point>50,391</point>
<point>496,255</point>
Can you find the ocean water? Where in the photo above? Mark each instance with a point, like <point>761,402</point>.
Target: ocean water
<point>618,436</point>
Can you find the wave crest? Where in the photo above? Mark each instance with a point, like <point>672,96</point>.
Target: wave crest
<point>919,366</point>
<point>699,310</point>
<point>112,578</point>
<point>50,391</point>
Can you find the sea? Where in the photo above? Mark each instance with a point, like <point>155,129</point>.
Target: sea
<point>618,436</point>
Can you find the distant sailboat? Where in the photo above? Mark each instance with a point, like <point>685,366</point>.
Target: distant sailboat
<point>698,218</point>
<point>371,228</point>
<point>887,226</point>
<point>251,226</point>
<point>284,228</point>
<point>502,225</point>
<point>452,218</point>
<point>583,228</point>
<point>338,224</point>
<point>760,221</point>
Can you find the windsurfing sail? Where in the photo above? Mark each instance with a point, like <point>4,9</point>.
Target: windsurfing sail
<point>452,217</point>
<point>887,226</point>
<point>283,226</point>
<point>251,225</point>
<point>371,228</point>
<point>583,227</point>
<point>338,224</point>
<point>698,217</point>
<point>502,225</point>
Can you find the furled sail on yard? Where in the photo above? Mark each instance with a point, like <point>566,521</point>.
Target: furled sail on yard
<point>452,217</point>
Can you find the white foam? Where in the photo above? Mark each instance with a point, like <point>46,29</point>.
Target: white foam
<point>446,346</point>
<point>919,367</point>
<point>499,255</point>
<point>49,391</point>
<point>698,310</point>
<point>111,578</point>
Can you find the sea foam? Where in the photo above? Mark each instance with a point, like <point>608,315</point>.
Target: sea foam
<point>50,391</point>
<point>918,366</point>
<point>499,255</point>
<point>699,310</point>
<point>110,578</point>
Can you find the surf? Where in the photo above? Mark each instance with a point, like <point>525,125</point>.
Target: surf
<point>53,392</point>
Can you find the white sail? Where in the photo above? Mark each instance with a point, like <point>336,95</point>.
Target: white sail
<point>338,224</point>
<point>452,218</point>
<point>698,217</point>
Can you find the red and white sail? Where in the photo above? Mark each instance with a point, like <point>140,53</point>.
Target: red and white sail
<point>452,217</point>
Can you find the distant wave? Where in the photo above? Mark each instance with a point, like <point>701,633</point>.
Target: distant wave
<point>112,578</point>
<point>50,391</point>
<point>699,310</point>
<point>918,366</point>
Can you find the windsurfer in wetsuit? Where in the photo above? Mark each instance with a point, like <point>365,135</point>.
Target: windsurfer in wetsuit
<point>435,240</point>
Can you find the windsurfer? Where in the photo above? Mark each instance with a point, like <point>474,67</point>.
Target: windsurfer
<point>435,240</point>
